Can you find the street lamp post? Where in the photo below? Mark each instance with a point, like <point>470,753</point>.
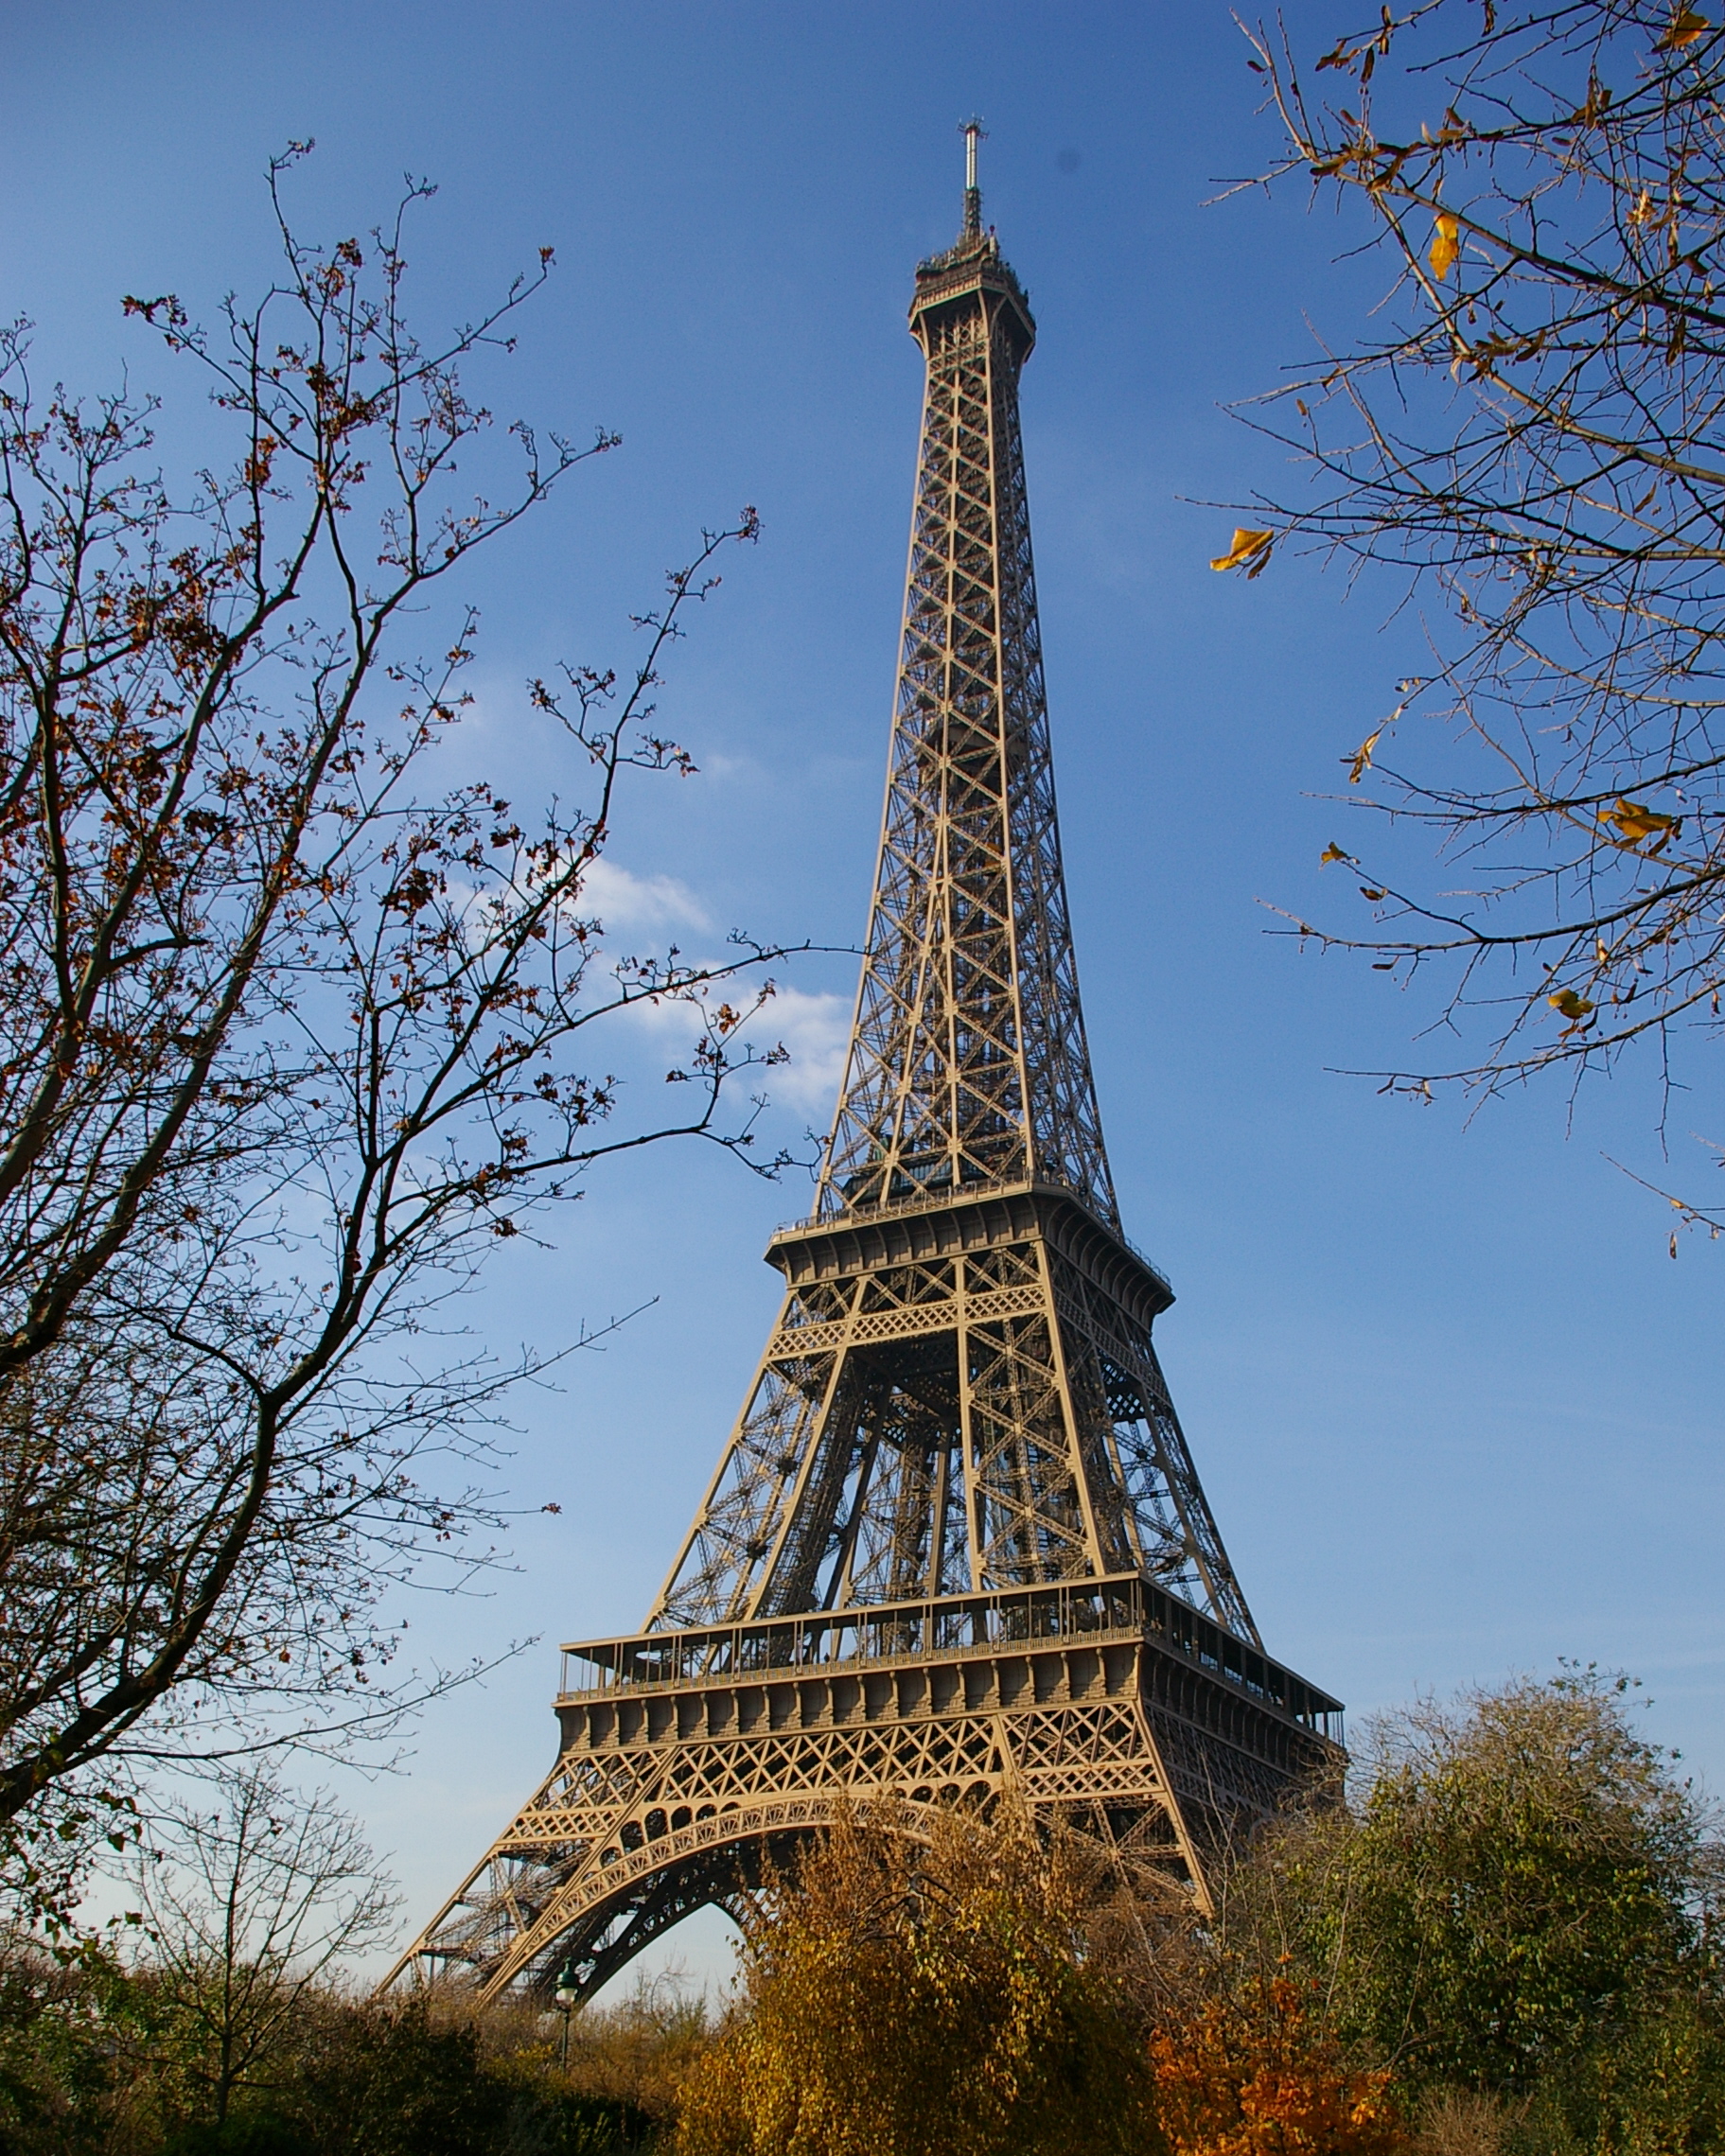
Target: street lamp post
<point>568,1995</point>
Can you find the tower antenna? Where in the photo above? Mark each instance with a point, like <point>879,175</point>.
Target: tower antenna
<point>973,131</point>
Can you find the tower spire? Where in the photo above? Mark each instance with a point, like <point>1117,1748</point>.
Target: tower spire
<point>973,131</point>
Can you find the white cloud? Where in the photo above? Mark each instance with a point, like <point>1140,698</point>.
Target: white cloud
<point>622,901</point>
<point>815,1028</point>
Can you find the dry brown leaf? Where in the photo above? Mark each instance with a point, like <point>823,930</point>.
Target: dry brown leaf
<point>1363,758</point>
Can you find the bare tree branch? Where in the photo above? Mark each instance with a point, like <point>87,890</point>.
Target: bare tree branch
<point>1537,436</point>
<point>291,1036</point>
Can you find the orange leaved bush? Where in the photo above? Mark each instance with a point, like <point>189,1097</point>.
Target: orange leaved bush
<point>1250,2077</point>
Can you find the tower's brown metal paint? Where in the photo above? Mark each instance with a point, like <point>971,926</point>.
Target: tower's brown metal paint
<point>956,1544</point>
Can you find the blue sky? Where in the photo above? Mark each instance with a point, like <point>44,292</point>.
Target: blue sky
<point>1450,1397</point>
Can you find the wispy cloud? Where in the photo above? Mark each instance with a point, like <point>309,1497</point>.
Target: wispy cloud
<point>813,1027</point>
<point>814,1030</point>
<point>622,901</point>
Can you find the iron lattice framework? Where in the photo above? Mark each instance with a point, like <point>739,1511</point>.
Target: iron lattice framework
<point>956,1544</point>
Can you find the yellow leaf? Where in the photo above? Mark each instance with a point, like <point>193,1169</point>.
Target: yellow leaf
<point>1686,26</point>
<point>1636,822</point>
<point>1370,891</point>
<point>1575,1007</point>
<point>1363,758</point>
<point>1247,547</point>
<point>1332,852</point>
<point>1446,245</point>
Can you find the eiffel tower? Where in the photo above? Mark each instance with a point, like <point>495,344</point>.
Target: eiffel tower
<point>956,1544</point>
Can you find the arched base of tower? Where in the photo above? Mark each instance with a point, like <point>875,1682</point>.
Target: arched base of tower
<point>697,1760</point>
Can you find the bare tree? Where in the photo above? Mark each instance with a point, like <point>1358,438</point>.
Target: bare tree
<point>1533,433</point>
<point>249,1905</point>
<point>291,1035</point>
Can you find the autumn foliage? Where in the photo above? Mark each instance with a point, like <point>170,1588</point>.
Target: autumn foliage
<point>1249,2076</point>
<point>1502,1940</point>
<point>923,1994</point>
<point>1524,432</point>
